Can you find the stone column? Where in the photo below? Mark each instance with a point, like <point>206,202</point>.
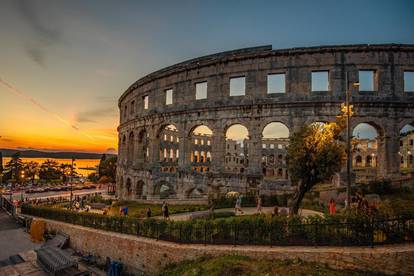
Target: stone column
<point>218,150</point>
<point>255,152</point>
<point>184,149</point>
<point>154,146</point>
<point>388,158</point>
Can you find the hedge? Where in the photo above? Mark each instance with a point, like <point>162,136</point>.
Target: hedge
<point>259,229</point>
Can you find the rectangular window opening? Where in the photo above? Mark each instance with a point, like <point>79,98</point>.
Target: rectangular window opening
<point>320,81</point>
<point>201,90</point>
<point>168,96</point>
<point>366,80</point>
<point>409,81</point>
<point>237,86</point>
<point>145,99</point>
<point>276,83</point>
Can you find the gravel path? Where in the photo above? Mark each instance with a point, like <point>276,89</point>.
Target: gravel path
<point>246,210</point>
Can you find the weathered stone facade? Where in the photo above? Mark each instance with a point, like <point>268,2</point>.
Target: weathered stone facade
<point>145,114</point>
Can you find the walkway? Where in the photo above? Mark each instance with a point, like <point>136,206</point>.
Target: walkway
<point>13,239</point>
<point>246,211</point>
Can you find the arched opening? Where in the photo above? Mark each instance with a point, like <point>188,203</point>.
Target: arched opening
<point>143,147</point>
<point>169,148</point>
<point>131,148</point>
<point>194,193</point>
<point>129,187</point>
<point>139,189</point>
<point>365,152</point>
<point>164,190</point>
<point>200,149</point>
<point>237,137</point>
<point>358,161</point>
<point>406,150</point>
<point>275,139</point>
<point>124,149</point>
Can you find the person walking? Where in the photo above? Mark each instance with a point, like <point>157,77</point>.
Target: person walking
<point>238,205</point>
<point>165,211</point>
<point>259,204</point>
<point>149,213</point>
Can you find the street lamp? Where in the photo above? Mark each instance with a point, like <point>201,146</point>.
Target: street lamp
<point>348,140</point>
<point>71,183</point>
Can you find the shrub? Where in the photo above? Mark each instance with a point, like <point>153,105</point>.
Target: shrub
<point>346,229</point>
<point>380,187</point>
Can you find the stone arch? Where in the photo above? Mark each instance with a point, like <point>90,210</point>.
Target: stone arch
<point>237,142</point>
<point>131,148</point>
<point>366,144</point>
<point>169,141</point>
<point>128,187</point>
<point>406,147</point>
<point>199,142</point>
<point>164,189</point>
<point>275,139</point>
<point>374,122</point>
<point>143,146</point>
<point>123,148</point>
<point>194,192</point>
<point>358,161</point>
<point>139,189</point>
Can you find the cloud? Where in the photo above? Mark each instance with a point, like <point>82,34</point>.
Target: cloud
<point>46,36</point>
<point>92,116</point>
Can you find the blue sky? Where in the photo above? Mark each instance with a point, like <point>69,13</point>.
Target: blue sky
<point>75,58</point>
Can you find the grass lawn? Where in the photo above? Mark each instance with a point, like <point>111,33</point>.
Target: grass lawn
<point>139,210</point>
<point>239,265</point>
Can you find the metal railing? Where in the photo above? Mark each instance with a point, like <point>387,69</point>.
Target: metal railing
<point>260,230</point>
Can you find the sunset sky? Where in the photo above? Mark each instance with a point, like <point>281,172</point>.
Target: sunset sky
<point>63,64</point>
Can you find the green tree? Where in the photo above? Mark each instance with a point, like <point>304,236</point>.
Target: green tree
<point>13,168</point>
<point>50,170</point>
<point>107,167</point>
<point>93,177</point>
<point>314,155</point>
<point>32,169</point>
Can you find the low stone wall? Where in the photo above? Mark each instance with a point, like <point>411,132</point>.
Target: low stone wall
<point>140,254</point>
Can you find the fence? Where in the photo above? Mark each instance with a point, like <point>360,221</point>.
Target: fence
<point>260,230</point>
<point>7,205</point>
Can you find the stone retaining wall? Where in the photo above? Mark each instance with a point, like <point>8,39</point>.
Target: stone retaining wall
<point>140,254</point>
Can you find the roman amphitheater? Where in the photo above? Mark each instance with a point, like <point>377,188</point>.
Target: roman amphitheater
<point>221,122</point>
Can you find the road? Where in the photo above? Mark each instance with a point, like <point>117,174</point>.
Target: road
<point>18,195</point>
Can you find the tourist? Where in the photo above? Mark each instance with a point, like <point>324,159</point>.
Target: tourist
<point>149,212</point>
<point>165,211</point>
<point>237,207</point>
<point>259,204</point>
<point>332,207</point>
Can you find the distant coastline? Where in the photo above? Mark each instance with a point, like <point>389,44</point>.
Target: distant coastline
<point>56,155</point>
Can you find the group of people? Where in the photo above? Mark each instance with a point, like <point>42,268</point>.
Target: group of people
<point>259,207</point>
<point>164,209</point>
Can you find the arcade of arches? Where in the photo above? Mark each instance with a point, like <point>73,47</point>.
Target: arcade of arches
<point>172,162</point>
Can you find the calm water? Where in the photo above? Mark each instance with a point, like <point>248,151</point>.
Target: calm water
<point>79,163</point>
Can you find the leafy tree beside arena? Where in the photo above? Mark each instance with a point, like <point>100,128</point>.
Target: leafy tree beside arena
<point>315,154</point>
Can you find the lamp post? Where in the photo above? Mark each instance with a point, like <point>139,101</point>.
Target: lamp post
<point>71,183</point>
<point>348,140</point>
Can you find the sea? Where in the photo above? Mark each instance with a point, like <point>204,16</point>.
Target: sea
<point>82,166</point>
